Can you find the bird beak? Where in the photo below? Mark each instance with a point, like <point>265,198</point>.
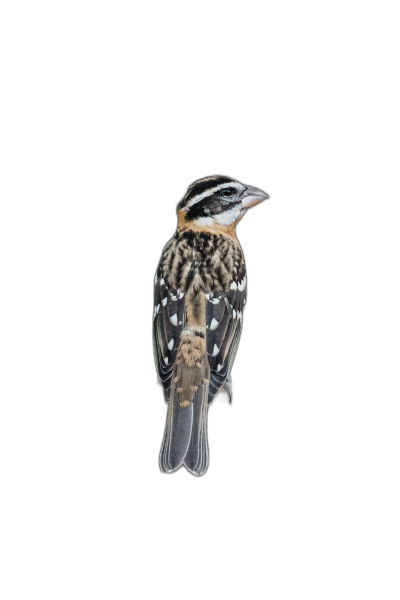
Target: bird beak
<point>252,196</point>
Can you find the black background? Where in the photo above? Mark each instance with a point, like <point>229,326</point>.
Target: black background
<point>280,433</point>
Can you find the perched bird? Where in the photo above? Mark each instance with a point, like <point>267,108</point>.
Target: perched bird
<point>199,297</point>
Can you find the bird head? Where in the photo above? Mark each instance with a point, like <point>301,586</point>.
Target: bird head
<point>217,203</point>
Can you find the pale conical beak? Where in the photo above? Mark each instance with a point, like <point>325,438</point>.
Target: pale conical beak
<point>252,196</point>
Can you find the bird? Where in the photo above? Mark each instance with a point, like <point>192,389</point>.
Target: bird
<point>200,293</point>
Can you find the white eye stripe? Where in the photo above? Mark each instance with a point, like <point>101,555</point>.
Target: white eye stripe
<point>211,191</point>
<point>211,179</point>
<point>201,181</point>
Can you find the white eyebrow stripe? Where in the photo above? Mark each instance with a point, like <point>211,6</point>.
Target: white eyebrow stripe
<point>202,180</point>
<point>211,191</point>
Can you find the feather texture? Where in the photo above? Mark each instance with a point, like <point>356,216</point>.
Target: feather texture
<point>199,298</point>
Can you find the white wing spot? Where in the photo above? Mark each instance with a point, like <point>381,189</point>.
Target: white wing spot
<point>234,314</point>
<point>166,360</point>
<point>162,282</point>
<point>171,344</point>
<point>164,301</point>
<point>219,368</point>
<point>216,300</point>
<point>216,350</point>
<point>207,296</point>
<point>242,284</point>
<point>174,319</point>
<point>181,295</point>
<point>214,324</point>
<point>233,286</point>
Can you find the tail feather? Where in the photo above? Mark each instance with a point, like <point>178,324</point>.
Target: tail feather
<point>197,457</point>
<point>185,438</point>
<point>178,429</point>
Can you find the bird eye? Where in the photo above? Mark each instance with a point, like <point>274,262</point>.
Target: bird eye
<point>225,193</point>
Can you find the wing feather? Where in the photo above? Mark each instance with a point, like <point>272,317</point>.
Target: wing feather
<point>168,322</point>
<point>224,327</point>
<point>224,318</point>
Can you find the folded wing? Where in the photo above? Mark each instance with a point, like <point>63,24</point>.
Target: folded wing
<point>224,326</point>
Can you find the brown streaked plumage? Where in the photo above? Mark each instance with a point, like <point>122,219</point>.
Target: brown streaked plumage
<point>201,261</point>
<point>200,293</point>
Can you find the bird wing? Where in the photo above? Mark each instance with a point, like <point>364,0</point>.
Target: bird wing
<point>224,320</point>
<point>168,322</point>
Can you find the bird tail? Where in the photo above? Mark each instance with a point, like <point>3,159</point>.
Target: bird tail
<point>185,438</point>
